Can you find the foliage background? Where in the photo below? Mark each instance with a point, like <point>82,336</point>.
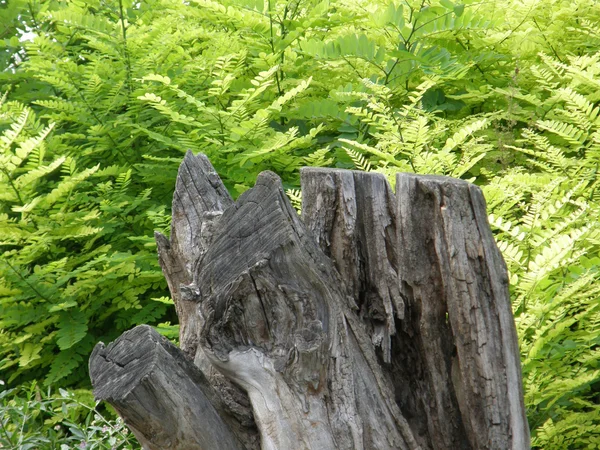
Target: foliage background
<point>102,98</point>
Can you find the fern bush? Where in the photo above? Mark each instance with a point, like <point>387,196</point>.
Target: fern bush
<point>65,280</point>
<point>103,98</point>
<point>546,214</point>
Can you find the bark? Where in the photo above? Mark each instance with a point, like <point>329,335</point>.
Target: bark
<point>377,321</point>
<point>165,399</point>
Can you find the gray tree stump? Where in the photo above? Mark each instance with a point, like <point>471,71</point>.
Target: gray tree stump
<point>375,321</point>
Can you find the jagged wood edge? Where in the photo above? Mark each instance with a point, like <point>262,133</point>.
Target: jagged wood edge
<point>235,280</point>
<point>198,204</point>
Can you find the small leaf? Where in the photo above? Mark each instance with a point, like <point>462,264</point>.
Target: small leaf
<point>62,306</point>
<point>29,353</point>
<point>72,329</point>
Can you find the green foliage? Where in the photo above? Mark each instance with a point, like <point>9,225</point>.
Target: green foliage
<point>34,419</point>
<point>236,126</point>
<point>542,212</point>
<point>68,277</point>
<point>104,98</point>
<point>411,139</point>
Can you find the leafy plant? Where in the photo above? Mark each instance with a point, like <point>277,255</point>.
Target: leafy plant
<point>63,279</point>
<point>546,217</point>
<point>34,419</point>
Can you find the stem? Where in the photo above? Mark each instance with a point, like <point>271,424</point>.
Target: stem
<point>547,42</point>
<point>12,185</point>
<point>8,437</point>
<point>279,72</point>
<point>26,282</point>
<point>35,23</point>
<point>272,42</point>
<point>387,74</point>
<point>125,50</point>
<point>24,417</point>
<point>353,67</point>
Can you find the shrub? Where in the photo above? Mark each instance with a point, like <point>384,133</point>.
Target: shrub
<point>71,270</point>
<point>31,418</point>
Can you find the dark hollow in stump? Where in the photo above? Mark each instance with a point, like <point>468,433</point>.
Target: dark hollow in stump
<point>378,320</point>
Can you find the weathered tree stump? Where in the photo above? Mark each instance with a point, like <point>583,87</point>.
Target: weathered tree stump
<point>377,321</point>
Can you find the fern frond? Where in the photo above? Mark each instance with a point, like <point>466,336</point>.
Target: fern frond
<point>295,196</point>
<point>78,19</point>
<point>33,175</point>
<point>318,158</point>
<point>569,132</point>
<point>65,187</point>
<point>9,137</point>
<point>63,364</point>
<point>461,135</point>
<point>359,160</point>
<point>383,155</point>
<point>579,102</point>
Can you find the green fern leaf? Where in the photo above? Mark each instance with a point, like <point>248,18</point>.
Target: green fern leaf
<point>62,366</point>
<point>29,353</point>
<point>72,328</point>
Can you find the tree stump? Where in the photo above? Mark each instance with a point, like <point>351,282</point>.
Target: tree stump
<point>378,320</point>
